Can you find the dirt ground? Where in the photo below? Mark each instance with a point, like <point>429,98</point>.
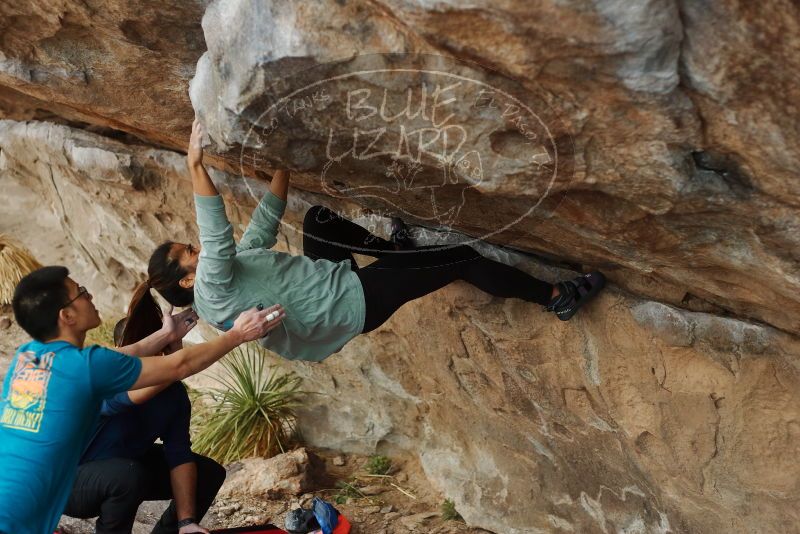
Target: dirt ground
<point>398,503</point>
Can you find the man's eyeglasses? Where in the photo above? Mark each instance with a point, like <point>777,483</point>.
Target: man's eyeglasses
<point>81,292</point>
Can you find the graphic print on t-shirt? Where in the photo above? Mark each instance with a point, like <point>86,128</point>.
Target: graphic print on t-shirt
<point>27,395</point>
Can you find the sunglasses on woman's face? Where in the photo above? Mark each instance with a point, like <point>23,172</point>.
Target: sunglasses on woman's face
<point>81,292</point>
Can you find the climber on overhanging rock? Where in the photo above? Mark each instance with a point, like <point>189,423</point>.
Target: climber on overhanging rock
<point>328,301</point>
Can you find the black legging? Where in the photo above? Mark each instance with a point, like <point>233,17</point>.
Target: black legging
<point>400,277</point>
<point>114,488</point>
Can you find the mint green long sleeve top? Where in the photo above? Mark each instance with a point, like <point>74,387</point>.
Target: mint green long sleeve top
<point>323,300</point>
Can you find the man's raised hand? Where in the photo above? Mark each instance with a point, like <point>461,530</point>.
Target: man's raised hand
<point>178,325</point>
<point>255,324</point>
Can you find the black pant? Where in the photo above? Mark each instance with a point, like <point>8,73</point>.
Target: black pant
<point>400,277</point>
<point>113,489</point>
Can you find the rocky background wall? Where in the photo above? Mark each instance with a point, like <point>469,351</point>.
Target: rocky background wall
<point>672,405</point>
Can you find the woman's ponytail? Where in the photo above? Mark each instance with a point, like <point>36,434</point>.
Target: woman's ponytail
<point>144,316</point>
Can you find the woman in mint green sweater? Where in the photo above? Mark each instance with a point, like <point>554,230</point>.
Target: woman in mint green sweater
<point>327,300</point>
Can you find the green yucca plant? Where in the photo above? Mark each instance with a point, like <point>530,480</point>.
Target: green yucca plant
<point>449,512</point>
<point>252,414</point>
<point>378,465</point>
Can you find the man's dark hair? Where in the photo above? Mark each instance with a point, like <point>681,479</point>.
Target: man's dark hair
<point>38,298</point>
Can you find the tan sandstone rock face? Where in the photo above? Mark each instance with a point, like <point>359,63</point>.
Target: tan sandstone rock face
<point>636,416</point>
<point>675,121</point>
<point>97,191</point>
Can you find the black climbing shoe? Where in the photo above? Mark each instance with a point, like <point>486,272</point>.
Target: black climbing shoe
<point>573,294</point>
<point>400,235</point>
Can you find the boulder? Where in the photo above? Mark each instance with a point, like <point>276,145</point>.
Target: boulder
<point>675,138</point>
<point>671,404</point>
<point>289,474</point>
<point>635,416</point>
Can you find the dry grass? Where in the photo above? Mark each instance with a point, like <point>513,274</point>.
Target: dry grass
<point>15,262</point>
<point>102,335</point>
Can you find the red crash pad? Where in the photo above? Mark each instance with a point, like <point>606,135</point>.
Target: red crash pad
<point>343,526</point>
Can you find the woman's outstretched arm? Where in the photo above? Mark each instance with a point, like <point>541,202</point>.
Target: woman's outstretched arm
<point>201,181</point>
<point>216,233</point>
<point>280,184</point>
<point>262,231</point>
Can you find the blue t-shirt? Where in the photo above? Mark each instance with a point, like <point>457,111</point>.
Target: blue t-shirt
<point>128,430</point>
<point>50,406</point>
